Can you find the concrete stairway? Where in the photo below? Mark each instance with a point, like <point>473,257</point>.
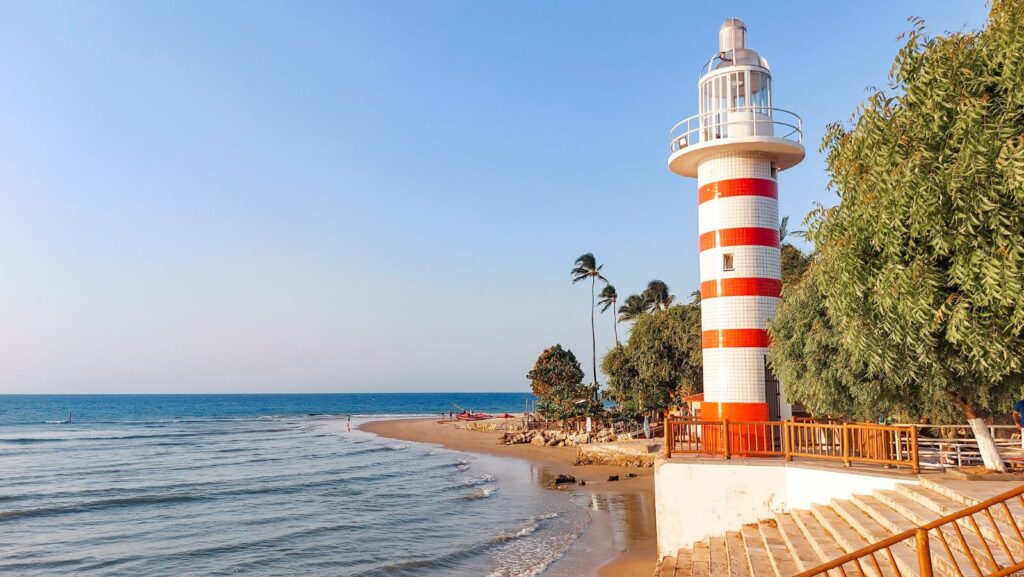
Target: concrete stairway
<point>794,542</point>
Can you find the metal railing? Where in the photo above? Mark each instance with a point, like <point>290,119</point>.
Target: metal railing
<point>893,446</point>
<point>961,543</point>
<point>734,123</point>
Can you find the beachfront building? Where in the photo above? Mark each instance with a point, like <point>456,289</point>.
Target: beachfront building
<point>735,146</point>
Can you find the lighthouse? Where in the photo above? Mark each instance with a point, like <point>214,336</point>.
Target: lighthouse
<point>735,146</point>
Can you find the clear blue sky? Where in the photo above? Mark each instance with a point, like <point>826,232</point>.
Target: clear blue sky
<point>366,196</point>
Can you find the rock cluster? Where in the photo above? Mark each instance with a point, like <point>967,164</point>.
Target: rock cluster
<point>556,438</point>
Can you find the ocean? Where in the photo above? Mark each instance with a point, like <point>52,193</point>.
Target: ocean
<point>265,485</point>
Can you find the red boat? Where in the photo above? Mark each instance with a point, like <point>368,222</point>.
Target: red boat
<point>471,416</point>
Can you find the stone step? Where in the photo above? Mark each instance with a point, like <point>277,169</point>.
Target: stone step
<point>719,560</point>
<point>922,515</point>
<point>801,540</point>
<point>822,542</point>
<point>684,564</point>
<point>943,505</point>
<point>757,556</point>
<point>803,553</point>
<point>903,553</point>
<point>779,554</point>
<point>667,567</point>
<point>850,539</point>
<point>736,555</point>
<point>895,522</point>
<point>701,564</point>
<point>973,492</point>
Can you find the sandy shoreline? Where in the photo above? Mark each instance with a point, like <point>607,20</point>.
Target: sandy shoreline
<point>631,521</point>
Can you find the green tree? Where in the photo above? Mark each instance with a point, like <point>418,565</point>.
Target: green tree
<point>661,360</point>
<point>794,264</point>
<point>607,300</point>
<point>632,308</point>
<point>624,386</point>
<point>922,262</point>
<point>586,267</point>
<point>656,296</point>
<point>557,380</point>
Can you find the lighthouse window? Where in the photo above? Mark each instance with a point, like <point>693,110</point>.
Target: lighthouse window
<point>760,92</point>
<point>737,90</point>
<point>727,263</point>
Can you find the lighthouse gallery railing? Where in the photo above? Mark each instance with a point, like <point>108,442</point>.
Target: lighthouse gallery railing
<point>844,442</point>
<point>735,123</point>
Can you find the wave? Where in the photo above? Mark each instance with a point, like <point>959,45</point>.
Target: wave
<point>99,504</point>
<point>482,493</point>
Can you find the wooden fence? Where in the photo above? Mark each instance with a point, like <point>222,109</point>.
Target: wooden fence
<point>848,443</point>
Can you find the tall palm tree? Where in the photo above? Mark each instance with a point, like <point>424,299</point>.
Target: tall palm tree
<point>607,299</point>
<point>586,267</point>
<point>633,307</point>
<point>657,296</point>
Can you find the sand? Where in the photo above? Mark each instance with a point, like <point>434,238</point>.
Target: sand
<point>623,510</point>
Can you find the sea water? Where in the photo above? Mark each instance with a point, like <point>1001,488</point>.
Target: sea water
<point>264,485</point>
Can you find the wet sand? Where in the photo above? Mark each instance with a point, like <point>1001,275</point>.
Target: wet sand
<point>623,511</point>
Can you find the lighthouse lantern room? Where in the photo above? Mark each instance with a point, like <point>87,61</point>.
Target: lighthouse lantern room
<point>735,147</point>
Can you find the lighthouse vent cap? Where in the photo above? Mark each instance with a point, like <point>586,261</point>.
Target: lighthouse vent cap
<point>732,35</point>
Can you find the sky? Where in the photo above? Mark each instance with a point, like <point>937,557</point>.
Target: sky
<point>201,197</point>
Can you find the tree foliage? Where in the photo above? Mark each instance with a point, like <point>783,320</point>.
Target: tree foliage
<point>557,380</point>
<point>662,359</point>
<point>916,293</point>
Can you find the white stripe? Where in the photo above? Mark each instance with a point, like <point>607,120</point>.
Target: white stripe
<point>747,261</point>
<point>734,165</point>
<point>734,375</point>
<point>738,212</point>
<point>737,312</point>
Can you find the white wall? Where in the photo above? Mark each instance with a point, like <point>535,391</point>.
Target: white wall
<point>698,499</point>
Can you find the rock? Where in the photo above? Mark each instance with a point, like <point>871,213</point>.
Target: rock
<point>538,441</point>
<point>563,479</point>
<point>613,477</point>
<point>632,475</point>
<point>552,442</point>
<point>582,483</point>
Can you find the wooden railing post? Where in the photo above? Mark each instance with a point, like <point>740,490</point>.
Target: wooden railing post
<point>844,443</point>
<point>725,438</point>
<point>669,437</point>
<point>924,554</point>
<point>785,440</point>
<point>915,463</point>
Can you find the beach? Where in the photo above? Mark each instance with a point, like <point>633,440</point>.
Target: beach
<point>622,511</point>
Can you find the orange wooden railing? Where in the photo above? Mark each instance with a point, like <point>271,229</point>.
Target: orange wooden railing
<point>991,547</point>
<point>849,443</point>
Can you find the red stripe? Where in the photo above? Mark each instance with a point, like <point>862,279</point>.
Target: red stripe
<point>738,187</point>
<point>746,236</point>
<point>732,338</point>
<point>741,287</point>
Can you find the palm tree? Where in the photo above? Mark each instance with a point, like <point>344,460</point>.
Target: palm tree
<point>784,230</point>
<point>586,267</point>
<point>657,296</point>
<point>607,299</point>
<point>632,308</point>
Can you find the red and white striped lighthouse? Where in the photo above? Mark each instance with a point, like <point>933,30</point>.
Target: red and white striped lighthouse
<point>735,147</point>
